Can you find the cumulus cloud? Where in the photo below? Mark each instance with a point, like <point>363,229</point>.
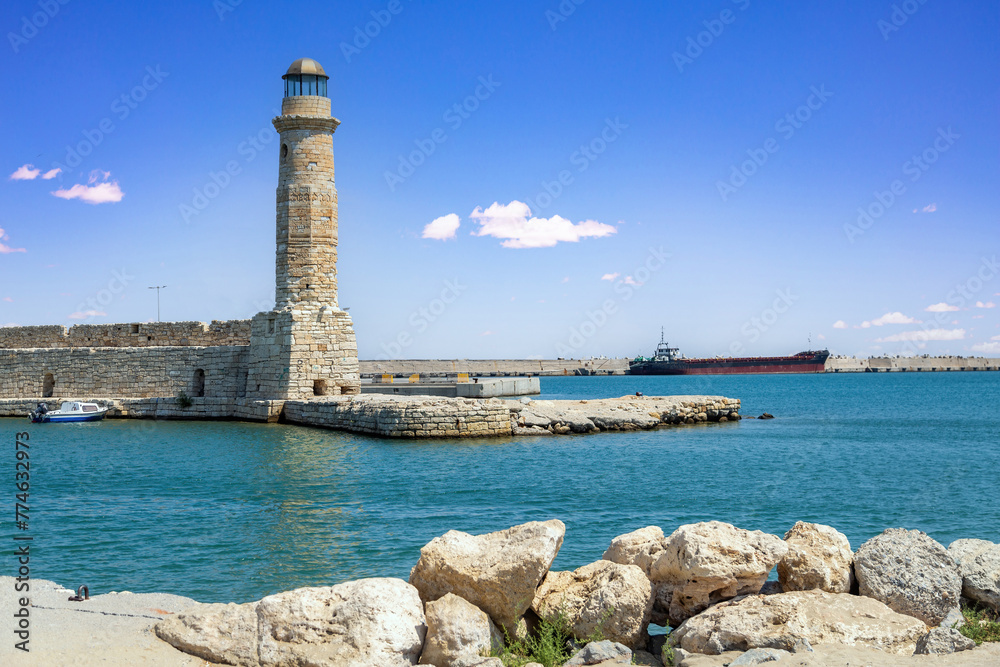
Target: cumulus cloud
<point>6,249</point>
<point>629,280</point>
<point>923,336</point>
<point>26,172</point>
<point>988,304</point>
<point>840,324</point>
<point>941,308</point>
<point>991,348</point>
<point>51,173</point>
<point>82,315</point>
<point>442,228</point>
<point>99,190</point>
<point>514,223</point>
<point>610,276</point>
<point>890,318</point>
<point>930,208</point>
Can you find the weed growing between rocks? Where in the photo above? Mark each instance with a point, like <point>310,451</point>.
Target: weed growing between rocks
<point>552,644</point>
<point>184,400</point>
<point>981,624</point>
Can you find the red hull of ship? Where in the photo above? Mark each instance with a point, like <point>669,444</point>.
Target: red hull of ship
<point>735,370</point>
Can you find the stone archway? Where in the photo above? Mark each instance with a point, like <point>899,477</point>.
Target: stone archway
<point>198,386</point>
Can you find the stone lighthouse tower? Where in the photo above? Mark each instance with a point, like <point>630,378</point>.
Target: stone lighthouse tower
<point>304,347</point>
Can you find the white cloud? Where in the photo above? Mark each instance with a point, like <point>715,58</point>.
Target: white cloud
<point>629,280</point>
<point>892,318</point>
<point>821,336</point>
<point>94,192</point>
<point>442,228</point>
<point>923,336</point>
<point>610,276</point>
<point>8,299</point>
<point>25,172</point>
<point>941,308</point>
<point>865,325</point>
<point>6,249</point>
<point>988,304</point>
<point>486,333</point>
<point>51,173</point>
<point>993,348</point>
<point>514,223</point>
<point>85,314</point>
<point>840,324</point>
<point>566,279</point>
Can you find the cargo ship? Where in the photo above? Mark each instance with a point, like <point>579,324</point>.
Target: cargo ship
<point>667,361</point>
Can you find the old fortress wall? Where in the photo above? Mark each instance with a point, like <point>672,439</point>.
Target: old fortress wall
<point>159,334</point>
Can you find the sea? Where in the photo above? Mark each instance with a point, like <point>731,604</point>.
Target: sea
<point>230,511</point>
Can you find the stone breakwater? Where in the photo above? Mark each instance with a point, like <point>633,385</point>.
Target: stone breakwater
<point>426,416</point>
<point>467,595</point>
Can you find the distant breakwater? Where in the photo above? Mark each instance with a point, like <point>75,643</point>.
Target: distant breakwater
<point>451,368</point>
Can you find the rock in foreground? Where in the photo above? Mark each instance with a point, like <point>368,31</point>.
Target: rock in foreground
<point>911,573</point>
<point>779,621</point>
<point>818,557</point>
<point>979,566</point>
<point>456,632</point>
<point>699,564</point>
<point>364,623</point>
<point>498,572</point>
<point>604,597</point>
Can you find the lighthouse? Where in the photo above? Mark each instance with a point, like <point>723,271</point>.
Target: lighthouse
<point>305,347</point>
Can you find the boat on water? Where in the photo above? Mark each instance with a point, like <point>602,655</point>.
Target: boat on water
<point>70,411</point>
<point>668,361</point>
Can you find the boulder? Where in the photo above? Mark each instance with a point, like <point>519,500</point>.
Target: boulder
<point>614,600</point>
<point>596,653</point>
<point>497,572</point>
<point>364,623</point>
<point>640,547</point>
<point>218,633</point>
<point>780,621</point>
<point>910,572</point>
<point>818,557</point>
<point>457,631</point>
<point>699,565</point>
<point>941,641</point>
<point>979,566</point>
<point>478,661</point>
<point>758,656</point>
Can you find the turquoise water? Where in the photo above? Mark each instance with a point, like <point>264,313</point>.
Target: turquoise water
<point>225,511</point>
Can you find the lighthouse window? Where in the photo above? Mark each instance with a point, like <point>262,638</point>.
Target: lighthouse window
<point>305,84</point>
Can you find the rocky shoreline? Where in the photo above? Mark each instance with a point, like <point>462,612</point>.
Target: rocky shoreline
<point>429,416</point>
<point>895,600</point>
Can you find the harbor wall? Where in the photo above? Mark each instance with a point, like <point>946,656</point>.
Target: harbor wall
<point>219,372</point>
<point>492,367</point>
<point>910,364</point>
<point>158,334</point>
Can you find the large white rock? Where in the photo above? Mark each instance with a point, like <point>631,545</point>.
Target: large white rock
<point>910,572</point>
<point>221,633</point>
<point>498,572</point>
<point>614,600</point>
<point>699,565</point>
<point>457,631</point>
<point>364,623</point>
<point>818,557</point>
<point>779,621</point>
<point>979,566</point>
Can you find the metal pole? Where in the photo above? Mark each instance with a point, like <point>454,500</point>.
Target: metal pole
<point>158,288</point>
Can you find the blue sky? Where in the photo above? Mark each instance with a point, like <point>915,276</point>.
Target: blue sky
<point>739,173</point>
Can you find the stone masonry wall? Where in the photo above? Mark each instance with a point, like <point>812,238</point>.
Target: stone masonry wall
<point>158,334</point>
<point>396,417</point>
<point>124,372</point>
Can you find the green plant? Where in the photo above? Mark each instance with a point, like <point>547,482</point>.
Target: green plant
<point>550,645</point>
<point>184,400</point>
<point>981,624</point>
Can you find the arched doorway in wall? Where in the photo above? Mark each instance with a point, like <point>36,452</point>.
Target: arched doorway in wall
<point>198,388</point>
<point>48,385</point>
